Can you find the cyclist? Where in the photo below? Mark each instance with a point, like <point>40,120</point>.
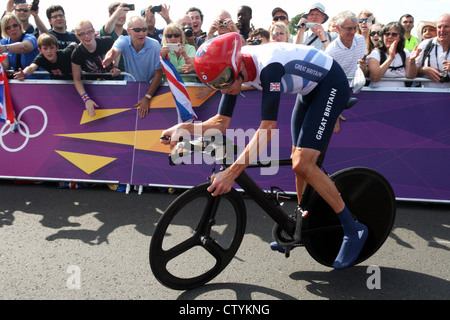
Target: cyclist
<point>323,93</point>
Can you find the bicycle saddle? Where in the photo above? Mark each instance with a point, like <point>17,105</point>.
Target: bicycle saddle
<point>351,102</point>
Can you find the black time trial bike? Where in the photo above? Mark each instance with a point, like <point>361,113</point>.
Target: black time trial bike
<point>198,235</point>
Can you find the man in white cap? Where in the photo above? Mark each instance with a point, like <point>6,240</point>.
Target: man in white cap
<point>314,36</point>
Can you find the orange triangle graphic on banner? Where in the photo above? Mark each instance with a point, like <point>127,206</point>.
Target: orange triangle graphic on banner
<point>86,162</point>
<point>142,140</point>
<point>101,113</point>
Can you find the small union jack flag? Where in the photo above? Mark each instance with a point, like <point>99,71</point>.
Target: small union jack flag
<point>275,86</point>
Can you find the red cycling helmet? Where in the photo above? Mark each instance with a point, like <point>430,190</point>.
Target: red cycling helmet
<point>218,61</point>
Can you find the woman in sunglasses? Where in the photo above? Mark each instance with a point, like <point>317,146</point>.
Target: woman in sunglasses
<point>374,37</point>
<point>366,20</point>
<point>21,48</point>
<point>174,46</point>
<point>390,59</point>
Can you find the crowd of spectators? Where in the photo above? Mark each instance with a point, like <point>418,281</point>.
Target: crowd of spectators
<point>131,45</point>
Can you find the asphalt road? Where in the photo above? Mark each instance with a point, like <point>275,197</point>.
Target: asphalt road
<point>93,244</point>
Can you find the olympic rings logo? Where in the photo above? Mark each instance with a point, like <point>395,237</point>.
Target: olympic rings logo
<point>23,129</point>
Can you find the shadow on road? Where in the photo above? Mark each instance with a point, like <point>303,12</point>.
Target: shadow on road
<point>89,215</point>
<point>395,284</point>
<point>242,291</point>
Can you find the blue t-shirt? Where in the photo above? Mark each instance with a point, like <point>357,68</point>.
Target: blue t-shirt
<point>142,64</point>
<point>25,58</point>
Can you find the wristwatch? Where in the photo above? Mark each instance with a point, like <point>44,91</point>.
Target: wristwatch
<point>148,96</point>
<point>7,48</point>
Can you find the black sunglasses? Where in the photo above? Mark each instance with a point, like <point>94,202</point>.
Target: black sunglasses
<point>176,35</point>
<point>140,29</point>
<point>15,25</point>
<point>282,18</point>
<point>373,33</point>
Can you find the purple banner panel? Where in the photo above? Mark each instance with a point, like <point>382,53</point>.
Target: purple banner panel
<point>403,135</point>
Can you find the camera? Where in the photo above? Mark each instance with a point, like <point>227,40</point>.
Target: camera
<point>173,47</point>
<point>156,9</point>
<point>444,77</point>
<point>35,5</point>
<point>255,42</point>
<point>188,31</point>
<point>223,23</point>
<point>129,6</point>
<point>307,25</point>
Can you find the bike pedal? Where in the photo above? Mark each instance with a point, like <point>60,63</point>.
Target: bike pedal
<point>275,246</point>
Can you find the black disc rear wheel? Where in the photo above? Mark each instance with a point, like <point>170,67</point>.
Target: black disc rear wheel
<point>370,199</point>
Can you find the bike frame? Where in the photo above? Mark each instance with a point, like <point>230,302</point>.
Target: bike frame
<point>266,202</point>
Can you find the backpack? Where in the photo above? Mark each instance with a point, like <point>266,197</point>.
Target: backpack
<point>427,52</point>
<point>383,58</point>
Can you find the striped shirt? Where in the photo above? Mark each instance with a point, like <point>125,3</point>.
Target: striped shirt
<point>348,57</point>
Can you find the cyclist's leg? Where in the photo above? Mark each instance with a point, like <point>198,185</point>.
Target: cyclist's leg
<point>326,103</point>
<point>297,119</point>
<point>304,165</point>
<point>312,124</point>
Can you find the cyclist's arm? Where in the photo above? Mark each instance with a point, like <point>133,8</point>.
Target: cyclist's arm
<point>271,87</point>
<point>220,121</point>
<point>223,181</point>
<point>255,147</point>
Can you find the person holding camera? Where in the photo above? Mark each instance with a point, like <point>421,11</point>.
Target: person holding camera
<point>149,15</point>
<point>186,24</point>
<point>180,53</point>
<point>222,25</point>
<point>114,27</point>
<point>311,31</point>
<point>434,61</point>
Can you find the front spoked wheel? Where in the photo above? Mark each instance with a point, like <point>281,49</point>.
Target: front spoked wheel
<point>197,237</point>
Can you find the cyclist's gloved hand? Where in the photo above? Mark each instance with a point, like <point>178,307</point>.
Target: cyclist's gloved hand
<point>171,136</point>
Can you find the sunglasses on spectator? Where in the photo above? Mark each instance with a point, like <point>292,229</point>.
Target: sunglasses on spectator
<point>144,29</point>
<point>15,25</point>
<point>22,10</point>
<point>282,18</point>
<point>394,34</point>
<point>175,35</point>
<point>374,33</point>
<point>82,34</point>
<point>365,20</point>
